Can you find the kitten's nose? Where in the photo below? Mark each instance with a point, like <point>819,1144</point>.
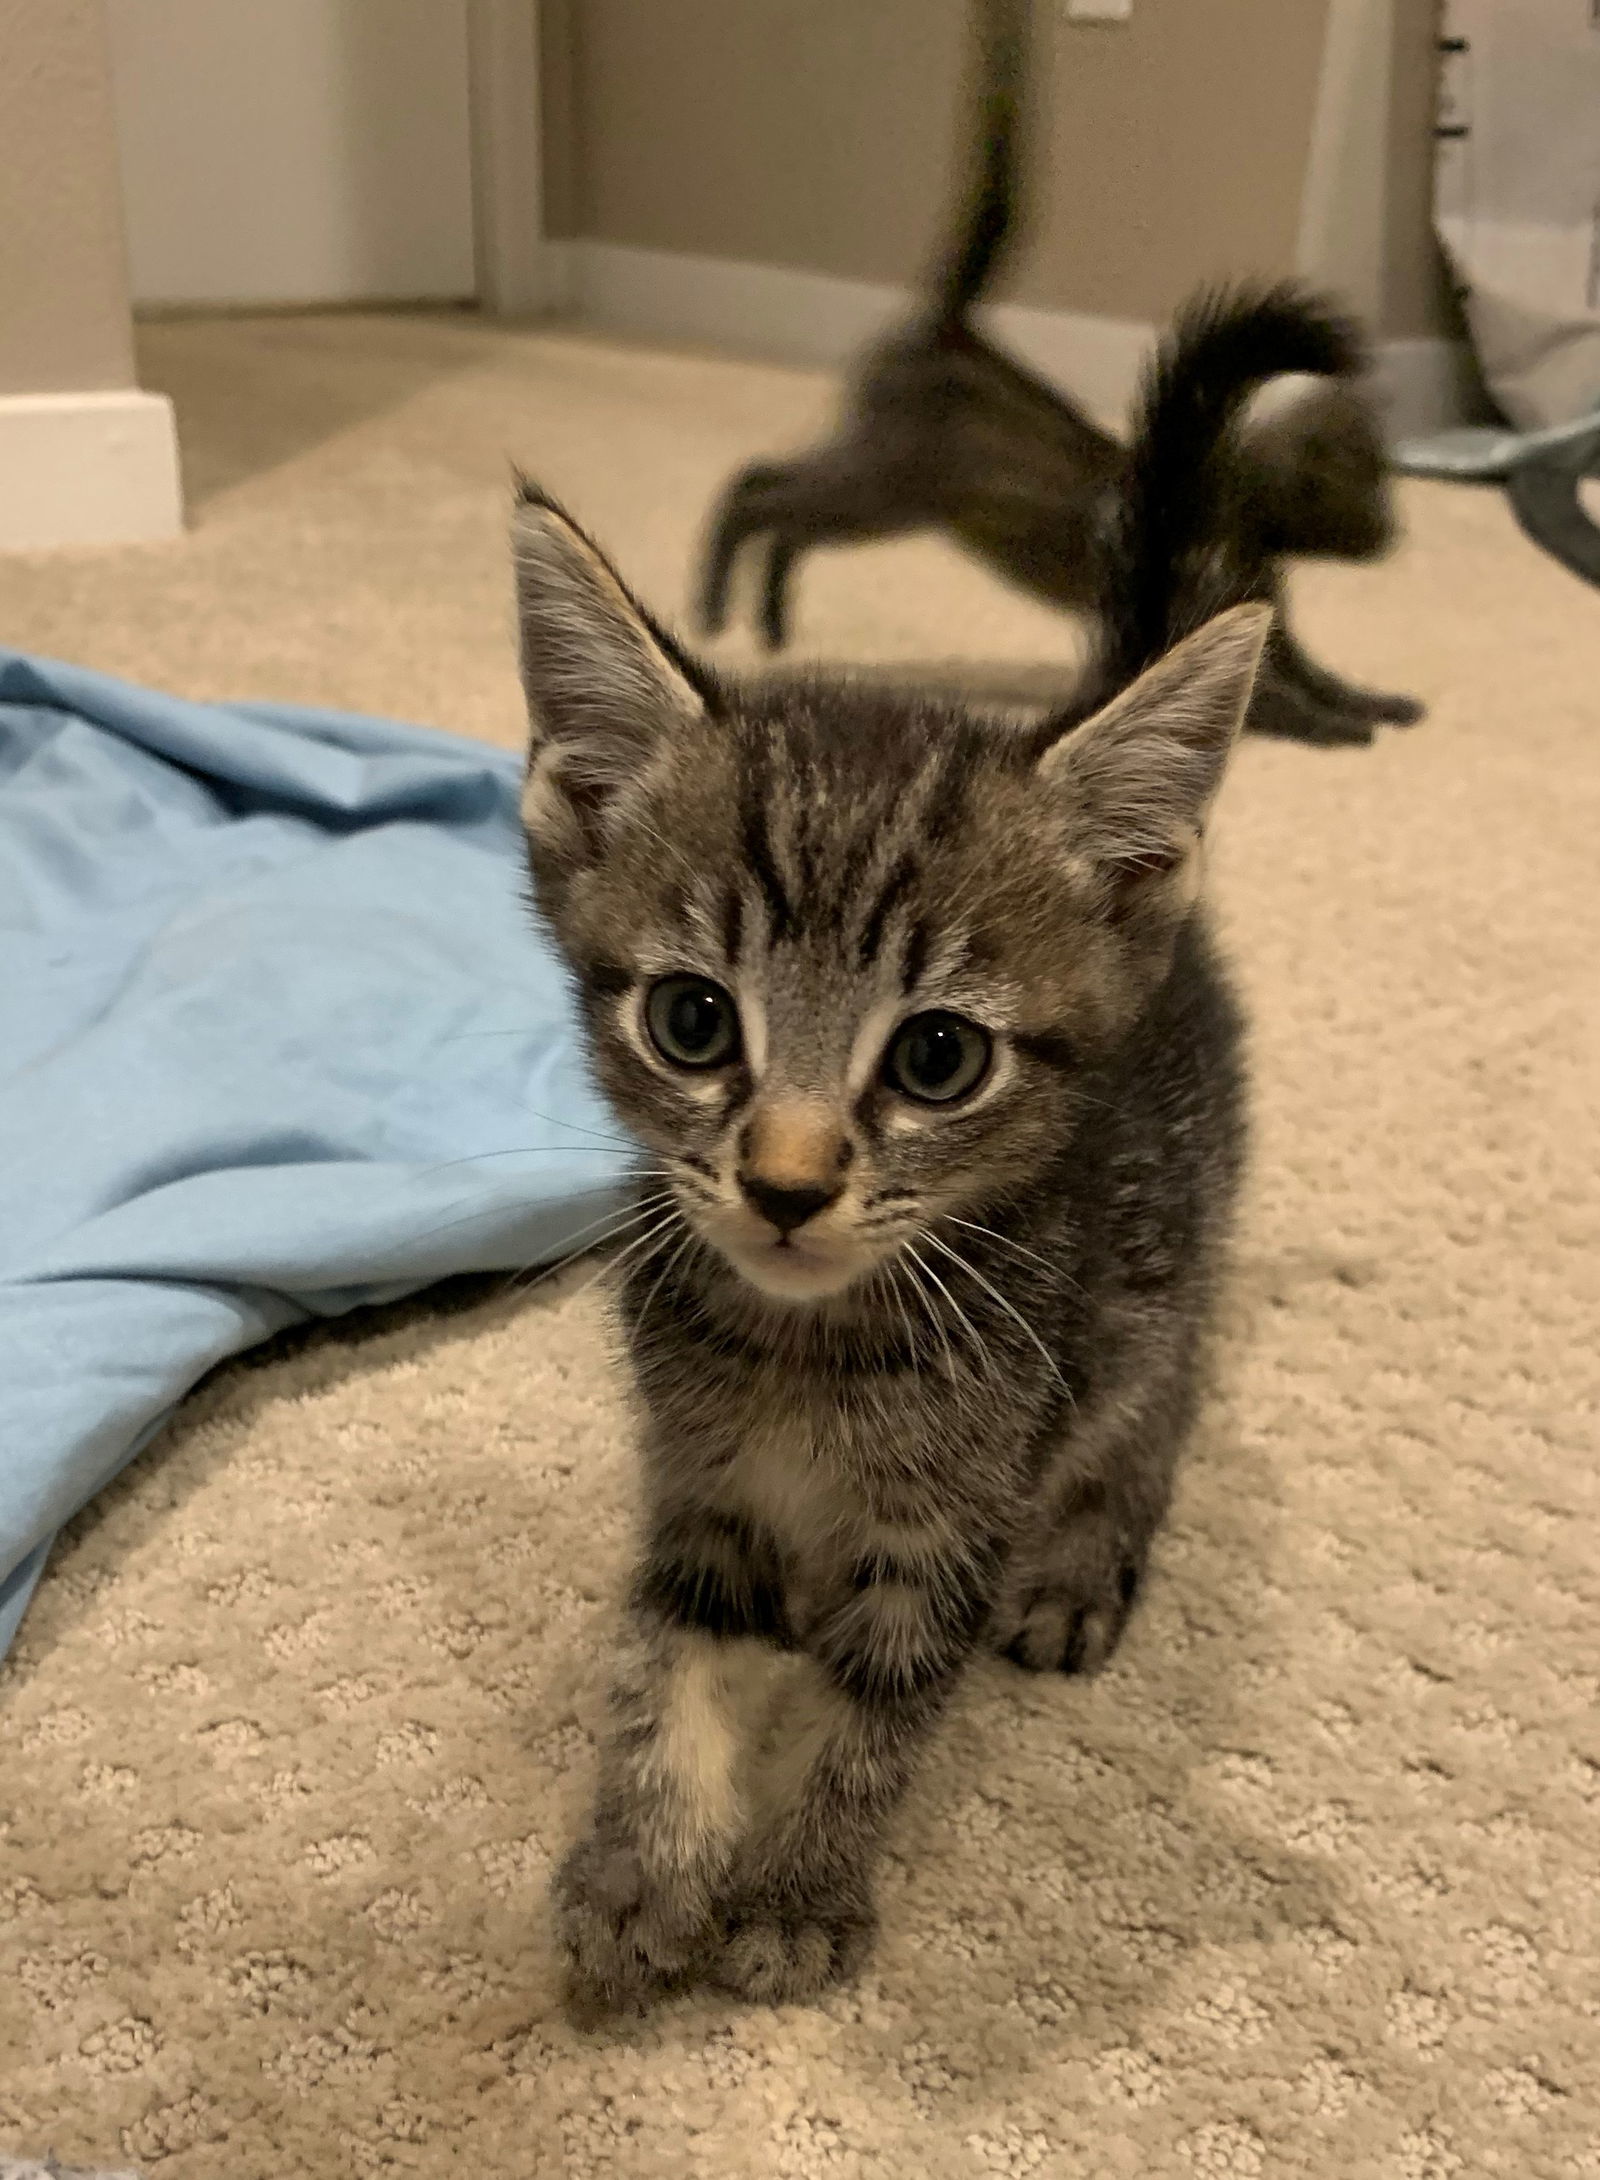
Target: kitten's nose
<point>786,1208</point>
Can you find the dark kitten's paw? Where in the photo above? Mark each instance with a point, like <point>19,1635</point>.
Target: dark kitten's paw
<point>1332,717</point>
<point>1290,715</point>
<point>1397,711</point>
<point>1385,707</point>
<point>1072,1621</point>
<point>777,1954</point>
<point>627,1945</point>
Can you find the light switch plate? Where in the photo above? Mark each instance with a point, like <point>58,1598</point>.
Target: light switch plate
<point>1099,11</point>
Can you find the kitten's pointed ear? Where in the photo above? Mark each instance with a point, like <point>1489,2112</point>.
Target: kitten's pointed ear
<point>1141,773</point>
<point>605,687</point>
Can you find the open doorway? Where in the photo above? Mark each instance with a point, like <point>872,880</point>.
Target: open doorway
<point>284,153</point>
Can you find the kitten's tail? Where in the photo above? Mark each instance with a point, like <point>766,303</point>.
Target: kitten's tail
<point>989,219</point>
<point>1199,518</point>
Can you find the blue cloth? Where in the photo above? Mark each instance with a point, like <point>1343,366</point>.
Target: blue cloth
<point>277,1037</point>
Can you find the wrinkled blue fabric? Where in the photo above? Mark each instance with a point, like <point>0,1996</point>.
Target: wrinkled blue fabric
<point>277,1037</point>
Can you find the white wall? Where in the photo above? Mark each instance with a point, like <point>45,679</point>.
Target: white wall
<point>294,151</point>
<point>85,458</point>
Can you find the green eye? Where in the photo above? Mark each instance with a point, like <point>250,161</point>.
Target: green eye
<point>937,1058</point>
<point>692,1022</point>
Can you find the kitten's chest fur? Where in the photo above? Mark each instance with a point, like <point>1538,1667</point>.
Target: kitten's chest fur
<point>787,1477</point>
<point>831,1517</point>
<point>831,1461</point>
<point>834,1469</point>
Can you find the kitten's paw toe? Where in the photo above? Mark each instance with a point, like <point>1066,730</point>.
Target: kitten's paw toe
<point>1401,711</point>
<point>1335,726</point>
<point>1291,715</point>
<point>1074,1627</point>
<point>779,1957</point>
<point>626,1945</point>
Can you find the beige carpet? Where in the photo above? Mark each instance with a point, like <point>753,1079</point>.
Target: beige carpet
<point>1306,1886</point>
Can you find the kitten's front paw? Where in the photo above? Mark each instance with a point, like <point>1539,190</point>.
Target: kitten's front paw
<point>627,1942</point>
<point>776,1953</point>
<point>1073,1617</point>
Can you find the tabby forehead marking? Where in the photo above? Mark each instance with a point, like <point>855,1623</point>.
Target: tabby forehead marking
<point>752,1006</point>
<point>872,1039</point>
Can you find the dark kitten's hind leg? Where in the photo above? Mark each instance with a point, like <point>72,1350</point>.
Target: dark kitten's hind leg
<point>840,494</point>
<point>782,553</point>
<point>743,513</point>
<point>1282,709</point>
<point>1308,702</point>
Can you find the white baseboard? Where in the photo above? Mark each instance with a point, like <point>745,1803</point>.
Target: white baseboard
<point>799,317</point>
<point>503,90</point>
<point>88,469</point>
<point>790,316</point>
<point>759,310</point>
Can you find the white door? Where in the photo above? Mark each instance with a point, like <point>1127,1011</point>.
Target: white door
<point>294,151</point>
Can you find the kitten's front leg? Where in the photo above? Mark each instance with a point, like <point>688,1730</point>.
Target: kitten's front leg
<point>1076,1572</point>
<point>635,1896</point>
<point>884,1662</point>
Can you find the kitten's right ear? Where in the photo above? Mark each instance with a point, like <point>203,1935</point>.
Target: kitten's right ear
<point>605,688</point>
<point>1139,775</point>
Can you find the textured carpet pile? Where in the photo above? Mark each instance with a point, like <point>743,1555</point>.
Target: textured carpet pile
<point>1306,1886</point>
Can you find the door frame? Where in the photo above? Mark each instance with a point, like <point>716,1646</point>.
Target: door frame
<point>520,272</point>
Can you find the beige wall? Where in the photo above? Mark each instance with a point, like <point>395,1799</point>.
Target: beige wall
<point>63,276</point>
<point>822,134</point>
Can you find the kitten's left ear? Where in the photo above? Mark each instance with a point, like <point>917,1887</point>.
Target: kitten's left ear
<point>605,686</point>
<point>1139,775</point>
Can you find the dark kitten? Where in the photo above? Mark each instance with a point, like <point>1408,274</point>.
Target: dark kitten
<point>944,431</point>
<point>917,1015</point>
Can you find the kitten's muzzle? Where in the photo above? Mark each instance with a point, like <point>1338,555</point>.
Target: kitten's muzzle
<point>786,1207</point>
<point>793,1155</point>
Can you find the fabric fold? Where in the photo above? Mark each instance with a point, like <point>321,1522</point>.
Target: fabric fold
<point>278,1037</point>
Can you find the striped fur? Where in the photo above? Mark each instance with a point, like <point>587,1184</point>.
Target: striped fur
<point>941,1407</point>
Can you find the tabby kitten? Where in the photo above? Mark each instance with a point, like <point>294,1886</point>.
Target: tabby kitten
<point>917,1014</point>
<point>943,430</point>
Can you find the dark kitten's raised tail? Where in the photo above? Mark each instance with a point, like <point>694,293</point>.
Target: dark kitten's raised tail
<point>989,219</point>
<point>1188,539</point>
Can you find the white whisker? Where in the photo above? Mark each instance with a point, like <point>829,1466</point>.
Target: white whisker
<point>976,1336</point>
<point>671,1265</point>
<point>1009,1308</point>
<point>893,1270</point>
<point>657,1237</point>
<point>535,1150</point>
<point>600,1135</point>
<point>498,1211</point>
<point>586,1238</point>
<point>1006,1242</point>
<point>916,1266</point>
<point>651,1234</point>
